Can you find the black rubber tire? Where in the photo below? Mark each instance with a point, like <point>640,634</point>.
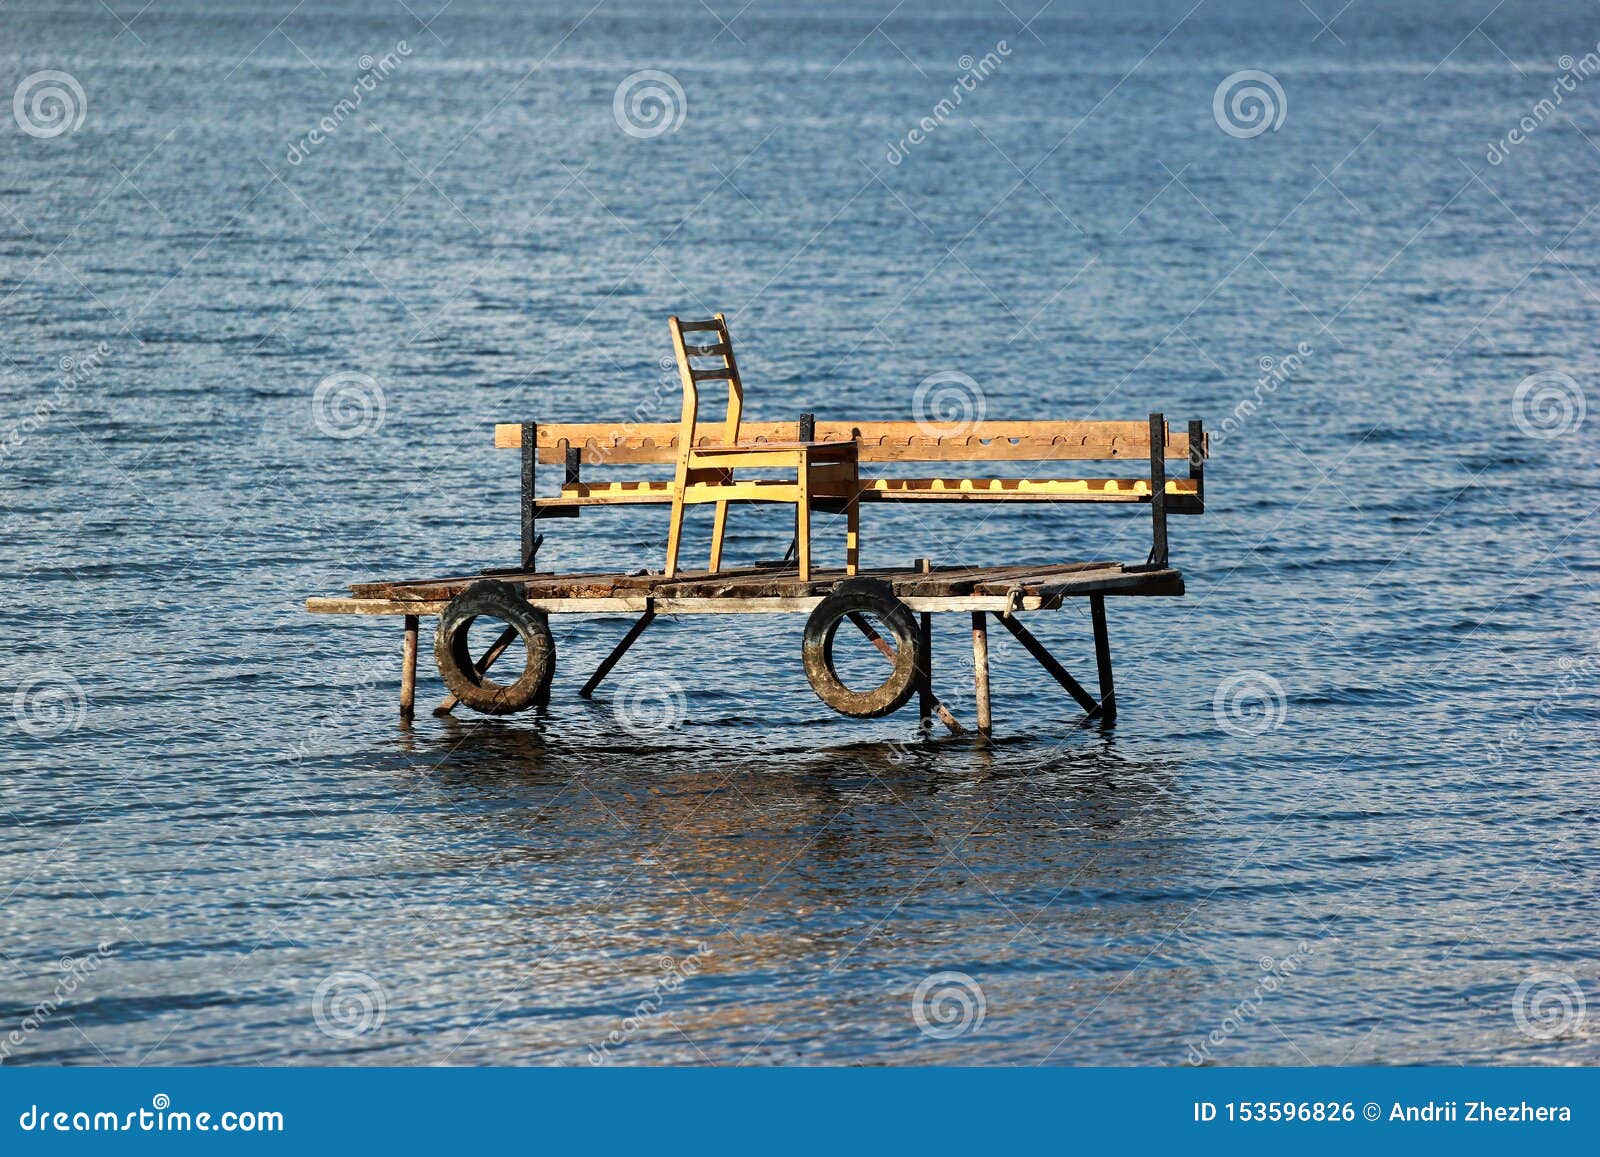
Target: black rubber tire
<point>458,667</point>
<point>862,596</point>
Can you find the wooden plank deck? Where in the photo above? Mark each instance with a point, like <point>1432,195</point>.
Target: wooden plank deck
<point>756,590</point>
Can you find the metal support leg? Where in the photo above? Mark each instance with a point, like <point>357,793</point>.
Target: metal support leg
<point>610,661</point>
<point>1102,659</point>
<point>980,672</point>
<point>925,699</point>
<point>408,671</point>
<point>1048,662</point>
<point>952,724</point>
<point>496,649</point>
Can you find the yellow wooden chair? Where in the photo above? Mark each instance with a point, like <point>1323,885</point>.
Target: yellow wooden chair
<point>824,472</point>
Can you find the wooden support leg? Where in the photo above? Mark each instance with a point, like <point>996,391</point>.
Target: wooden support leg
<point>803,521</point>
<point>1102,659</point>
<point>496,649</point>
<point>980,672</point>
<point>617,652</point>
<point>408,671</point>
<point>1048,662</point>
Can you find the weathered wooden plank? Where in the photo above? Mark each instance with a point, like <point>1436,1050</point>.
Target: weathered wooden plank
<point>894,441</point>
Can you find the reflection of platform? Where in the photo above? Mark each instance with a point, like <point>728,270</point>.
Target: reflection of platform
<point>761,590</point>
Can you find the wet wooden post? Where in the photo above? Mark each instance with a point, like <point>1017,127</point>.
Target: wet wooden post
<point>980,671</point>
<point>408,671</point>
<point>1102,659</point>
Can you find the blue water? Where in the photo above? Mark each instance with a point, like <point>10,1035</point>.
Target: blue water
<point>1347,813</point>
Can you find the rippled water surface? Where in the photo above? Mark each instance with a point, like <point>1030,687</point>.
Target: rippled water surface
<point>1348,811</point>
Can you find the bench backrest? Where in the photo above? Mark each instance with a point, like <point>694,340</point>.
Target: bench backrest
<point>642,443</point>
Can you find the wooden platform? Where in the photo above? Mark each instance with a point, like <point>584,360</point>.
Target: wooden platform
<point>761,590</point>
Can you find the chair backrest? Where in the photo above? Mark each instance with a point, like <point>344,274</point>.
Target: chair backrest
<point>711,362</point>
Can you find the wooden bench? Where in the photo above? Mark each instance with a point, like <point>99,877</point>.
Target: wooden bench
<point>1150,443</point>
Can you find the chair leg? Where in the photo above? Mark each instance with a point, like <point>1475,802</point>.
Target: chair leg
<point>803,521</point>
<point>719,526</point>
<point>674,533</point>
